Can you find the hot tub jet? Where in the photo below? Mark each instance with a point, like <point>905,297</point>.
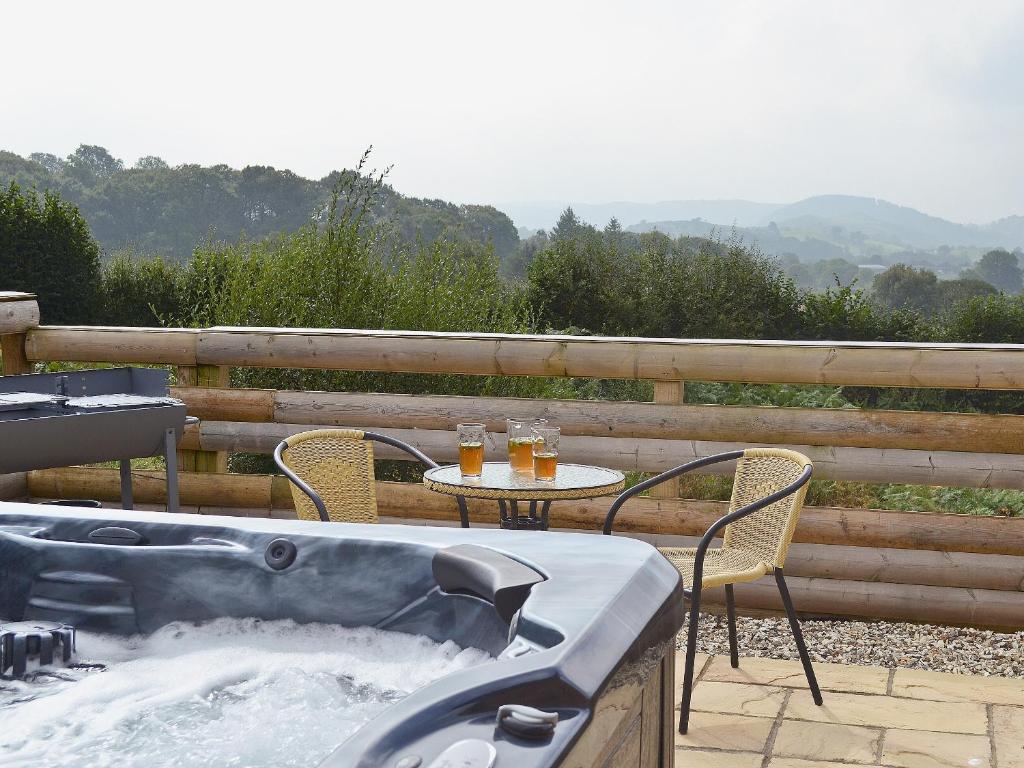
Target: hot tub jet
<point>22,641</point>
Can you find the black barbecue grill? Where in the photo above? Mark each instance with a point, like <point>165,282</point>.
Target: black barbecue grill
<point>82,417</point>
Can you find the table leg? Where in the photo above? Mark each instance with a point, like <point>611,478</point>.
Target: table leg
<point>545,508</point>
<point>515,513</point>
<point>126,483</point>
<point>463,511</point>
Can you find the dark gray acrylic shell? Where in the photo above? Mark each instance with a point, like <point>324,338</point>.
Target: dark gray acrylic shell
<point>603,602</point>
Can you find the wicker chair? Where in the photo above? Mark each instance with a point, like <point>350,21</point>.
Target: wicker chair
<point>768,492</point>
<point>331,473</point>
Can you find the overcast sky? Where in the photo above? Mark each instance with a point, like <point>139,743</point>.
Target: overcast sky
<point>917,102</point>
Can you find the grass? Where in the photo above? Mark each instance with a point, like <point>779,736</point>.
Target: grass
<point>906,498</point>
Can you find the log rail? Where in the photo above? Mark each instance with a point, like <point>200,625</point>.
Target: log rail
<point>869,563</point>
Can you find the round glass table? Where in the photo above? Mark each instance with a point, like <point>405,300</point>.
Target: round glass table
<point>500,482</point>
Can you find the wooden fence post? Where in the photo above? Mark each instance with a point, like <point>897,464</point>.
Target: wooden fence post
<point>18,313</point>
<point>203,376</point>
<point>668,393</point>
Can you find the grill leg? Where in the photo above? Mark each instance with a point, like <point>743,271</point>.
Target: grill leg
<point>730,611</point>
<point>171,457</point>
<point>691,655</point>
<point>798,635</point>
<point>126,484</point>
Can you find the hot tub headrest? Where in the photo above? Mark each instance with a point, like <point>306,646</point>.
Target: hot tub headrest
<point>485,573</point>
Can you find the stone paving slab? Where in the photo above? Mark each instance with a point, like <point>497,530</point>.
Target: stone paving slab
<point>795,762</point>
<point>738,698</point>
<point>798,763</point>
<point>943,686</point>
<point>762,715</point>
<point>790,674</point>
<point>723,731</point>
<point>706,758</point>
<point>891,712</point>
<point>828,741</point>
<point>1008,736</point>
<point>925,749</point>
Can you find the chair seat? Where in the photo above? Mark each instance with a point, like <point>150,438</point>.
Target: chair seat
<point>727,565</point>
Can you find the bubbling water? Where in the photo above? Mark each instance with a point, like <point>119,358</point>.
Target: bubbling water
<point>232,692</point>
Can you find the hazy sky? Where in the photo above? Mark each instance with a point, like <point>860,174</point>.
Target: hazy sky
<point>921,103</point>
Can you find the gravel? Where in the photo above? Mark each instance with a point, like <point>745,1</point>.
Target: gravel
<point>881,644</point>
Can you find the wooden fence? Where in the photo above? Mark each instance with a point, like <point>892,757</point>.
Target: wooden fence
<point>856,562</point>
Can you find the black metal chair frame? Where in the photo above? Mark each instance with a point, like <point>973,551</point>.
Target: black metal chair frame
<point>693,594</point>
<point>321,508</point>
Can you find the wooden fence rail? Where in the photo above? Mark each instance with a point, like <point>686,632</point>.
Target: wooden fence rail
<point>868,465</point>
<point>846,427</point>
<point>947,366</point>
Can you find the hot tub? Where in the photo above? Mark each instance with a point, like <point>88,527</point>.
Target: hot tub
<point>580,626</point>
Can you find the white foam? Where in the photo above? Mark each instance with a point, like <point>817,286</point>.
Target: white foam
<point>228,693</point>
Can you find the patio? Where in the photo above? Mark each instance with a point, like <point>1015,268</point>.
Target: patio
<point>761,716</point>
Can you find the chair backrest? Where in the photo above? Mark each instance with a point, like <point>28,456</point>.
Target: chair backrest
<point>766,532</point>
<point>338,465</point>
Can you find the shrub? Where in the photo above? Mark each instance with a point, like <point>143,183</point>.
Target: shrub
<point>46,249</point>
<point>140,292</point>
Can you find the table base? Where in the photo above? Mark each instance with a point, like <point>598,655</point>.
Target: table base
<point>511,520</point>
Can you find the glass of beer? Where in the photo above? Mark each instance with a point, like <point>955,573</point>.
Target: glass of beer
<point>520,445</point>
<point>471,449</point>
<point>545,452</point>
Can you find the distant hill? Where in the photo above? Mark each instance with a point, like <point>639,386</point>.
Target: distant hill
<point>890,223</point>
<point>855,226</point>
<point>742,213</point>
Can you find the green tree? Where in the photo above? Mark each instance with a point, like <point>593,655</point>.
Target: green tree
<point>576,281</point>
<point>952,291</point>
<point>905,287</point>
<point>151,162</point>
<point>90,161</point>
<point>567,226</point>
<point>46,249</point>
<point>999,268</point>
<point>51,163</point>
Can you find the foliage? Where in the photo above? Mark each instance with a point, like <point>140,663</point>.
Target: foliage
<point>346,274</point>
<point>906,498</point>
<point>953,291</point>
<point>154,208</point>
<point>986,319</point>
<point>618,283</point>
<point>999,268</point>
<point>843,313</point>
<point>905,287</point>
<point>820,274</point>
<point>908,288</point>
<point>46,249</point>
<point>789,395</point>
<point>140,292</point>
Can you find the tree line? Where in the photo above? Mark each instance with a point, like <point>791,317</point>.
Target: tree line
<point>154,208</point>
